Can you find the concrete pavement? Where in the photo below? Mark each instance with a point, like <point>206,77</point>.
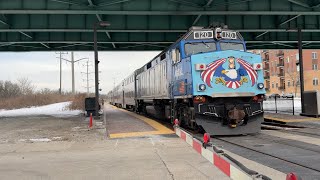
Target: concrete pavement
<point>88,154</point>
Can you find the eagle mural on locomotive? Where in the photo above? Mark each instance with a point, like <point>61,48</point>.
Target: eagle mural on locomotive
<point>231,73</point>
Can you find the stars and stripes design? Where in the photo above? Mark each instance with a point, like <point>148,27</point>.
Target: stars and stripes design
<point>253,75</point>
<point>233,84</point>
<point>207,74</point>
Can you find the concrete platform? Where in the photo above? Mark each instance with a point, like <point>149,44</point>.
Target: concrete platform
<point>134,158</point>
<point>122,123</point>
<point>84,153</point>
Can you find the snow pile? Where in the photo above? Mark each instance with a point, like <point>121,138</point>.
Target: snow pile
<point>57,110</point>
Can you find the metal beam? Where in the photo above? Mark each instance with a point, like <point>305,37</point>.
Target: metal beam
<point>4,23</point>
<point>112,3</point>
<point>284,44</point>
<point>285,22</point>
<point>187,3</point>
<point>178,13</point>
<point>43,44</point>
<point>297,2</point>
<point>68,2</point>
<point>140,42</point>
<point>99,18</point>
<point>27,35</point>
<point>99,30</point>
<point>261,34</point>
<point>306,44</point>
<point>199,16</point>
<point>70,45</point>
<point>146,30</point>
<point>5,44</point>
<point>91,3</point>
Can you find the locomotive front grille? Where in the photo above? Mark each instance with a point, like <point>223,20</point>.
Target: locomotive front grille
<point>223,110</point>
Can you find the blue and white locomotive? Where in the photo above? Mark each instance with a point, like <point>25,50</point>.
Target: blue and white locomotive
<point>206,80</point>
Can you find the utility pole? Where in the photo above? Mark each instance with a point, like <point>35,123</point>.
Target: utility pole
<point>87,77</point>
<point>72,61</point>
<point>72,71</point>
<point>60,57</point>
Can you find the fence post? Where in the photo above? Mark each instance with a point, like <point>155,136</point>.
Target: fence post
<point>292,105</point>
<point>275,101</point>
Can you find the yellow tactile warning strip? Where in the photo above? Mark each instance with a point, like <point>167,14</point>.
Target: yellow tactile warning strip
<point>160,129</point>
<point>296,120</point>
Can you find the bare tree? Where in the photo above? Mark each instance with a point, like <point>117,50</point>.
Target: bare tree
<point>295,78</point>
<point>25,86</point>
<point>9,89</point>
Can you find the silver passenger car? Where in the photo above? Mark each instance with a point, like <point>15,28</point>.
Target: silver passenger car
<point>118,95</point>
<point>152,80</point>
<point>129,92</point>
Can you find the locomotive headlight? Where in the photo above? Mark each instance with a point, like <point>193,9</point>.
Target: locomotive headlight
<point>260,85</point>
<point>202,87</point>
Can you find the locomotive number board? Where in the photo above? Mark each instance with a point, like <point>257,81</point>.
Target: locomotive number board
<point>203,35</point>
<point>228,35</point>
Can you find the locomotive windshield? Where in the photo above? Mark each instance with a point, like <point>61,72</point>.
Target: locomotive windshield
<point>231,46</point>
<point>199,47</point>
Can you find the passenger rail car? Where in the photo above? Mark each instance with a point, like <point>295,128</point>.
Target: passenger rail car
<point>129,92</point>
<point>118,95</point>
<point>206,79</point>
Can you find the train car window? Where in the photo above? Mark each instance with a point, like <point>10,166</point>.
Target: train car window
<point>231,46</point>
<point>149,65</point>
<point>178,55</point>
<point>173,55</point>
<point>199,47</point>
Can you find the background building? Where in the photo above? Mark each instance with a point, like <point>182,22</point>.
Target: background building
<point>281,71</point>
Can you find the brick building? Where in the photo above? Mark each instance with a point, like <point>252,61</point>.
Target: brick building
<point>281,72</point>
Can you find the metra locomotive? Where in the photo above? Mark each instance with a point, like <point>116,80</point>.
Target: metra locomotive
<point>206,80</point>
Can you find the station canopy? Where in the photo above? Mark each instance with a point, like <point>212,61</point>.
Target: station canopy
<point>54,25</point>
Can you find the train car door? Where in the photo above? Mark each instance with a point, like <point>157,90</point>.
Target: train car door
<point>178,82</point>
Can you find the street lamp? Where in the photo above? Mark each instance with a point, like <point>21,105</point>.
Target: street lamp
<point>96,61</point>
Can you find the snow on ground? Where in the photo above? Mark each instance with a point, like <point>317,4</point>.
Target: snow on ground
<point>284,105</point>
<point>57,110</point>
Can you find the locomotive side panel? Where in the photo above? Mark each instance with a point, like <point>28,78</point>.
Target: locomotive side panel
<point>153,82</point>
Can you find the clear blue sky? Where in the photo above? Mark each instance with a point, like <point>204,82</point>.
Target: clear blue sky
<point>42,68</point>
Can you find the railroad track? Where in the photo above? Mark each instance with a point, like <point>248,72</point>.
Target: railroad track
<point>271,155</point>
<point>289,128</point>
<point>261,152</point>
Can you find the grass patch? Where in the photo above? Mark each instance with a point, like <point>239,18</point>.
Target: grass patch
<point>31,100</point>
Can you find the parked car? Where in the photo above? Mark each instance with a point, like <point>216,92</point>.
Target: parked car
<point>288,95</point>
<point>274,96</point>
